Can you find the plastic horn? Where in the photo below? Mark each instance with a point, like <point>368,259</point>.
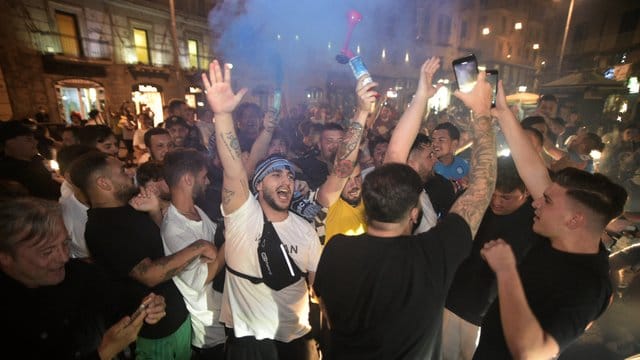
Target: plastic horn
<point>353,17</point>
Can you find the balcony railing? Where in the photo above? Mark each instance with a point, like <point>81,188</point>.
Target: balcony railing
<point>56,43</point>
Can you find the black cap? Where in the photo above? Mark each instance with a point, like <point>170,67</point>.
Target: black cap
<point>12,129</point>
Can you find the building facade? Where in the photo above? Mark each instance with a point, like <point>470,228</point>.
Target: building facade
<point>75,56</point>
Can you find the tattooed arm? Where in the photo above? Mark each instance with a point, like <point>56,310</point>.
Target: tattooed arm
<point>409,124</point>
<point>472,204</point>
<point>347,153</point>
<point>235,183</point>
<point>154,272</point>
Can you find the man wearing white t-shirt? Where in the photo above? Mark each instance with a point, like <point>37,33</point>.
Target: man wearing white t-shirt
<point>184,223</point>
<point>266,323</point>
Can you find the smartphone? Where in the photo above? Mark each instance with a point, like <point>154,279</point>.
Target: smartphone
<point>466,72</point>
<point>492,78</point>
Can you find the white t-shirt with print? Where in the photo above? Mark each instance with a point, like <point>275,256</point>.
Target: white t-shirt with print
<point>255,309</point>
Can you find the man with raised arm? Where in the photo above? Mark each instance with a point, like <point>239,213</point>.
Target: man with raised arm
<point>268,249</point>
<point>407,147</point>
<point>383,292</point>
<point>562,284</point>
<point>341,192</point>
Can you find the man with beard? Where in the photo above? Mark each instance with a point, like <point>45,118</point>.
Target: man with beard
<point>383,292</point>
<point>127,244</point>
<point>184,223</point>
<point>341,192</point>
<point>266,299</point>
<point>315,168</point>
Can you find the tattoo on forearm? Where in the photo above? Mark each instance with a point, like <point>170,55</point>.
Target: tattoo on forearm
<point>473,203</point>
<point>343,166</point>
<point>227,195</point>
<point>177,270</point>
<point>231,142</point>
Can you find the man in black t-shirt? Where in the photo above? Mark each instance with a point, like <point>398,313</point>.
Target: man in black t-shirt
<point>315,169</point>
<point>383,292</point>
<point>509,217</point>
<point>127,244</point>
<point>562,284</point>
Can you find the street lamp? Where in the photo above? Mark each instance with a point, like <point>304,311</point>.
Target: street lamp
<point>564,38</point>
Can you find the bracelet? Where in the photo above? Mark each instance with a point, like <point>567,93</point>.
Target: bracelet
<point>486,117</point>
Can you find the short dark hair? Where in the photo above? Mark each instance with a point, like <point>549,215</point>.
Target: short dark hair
<point>595,191</point>
<point>151,132</point>
<point>68,154</point>
<point>179,162</point>
<point>548,97</point>
<point>594,141</point>
<point>453,131</point>
<point>390,191</point>
<point>27,219</point>
<point>245,106</point>
<point>558,121</point>
<point>535,133</point>
<point>74,130</point>
<point>95,134</point>
<point>332,127</point>
<point>375,141</point>
<point>420,142</point>
<point>529,121</point>
<point>83,168</point>
<point>175,104</point>
<point>278,134</point>
<point>150,171</point>
<point>175,121</point>
<point>307,127</point>
<point>508,179</point>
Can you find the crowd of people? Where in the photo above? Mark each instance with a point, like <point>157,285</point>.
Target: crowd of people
<point>248,233</point>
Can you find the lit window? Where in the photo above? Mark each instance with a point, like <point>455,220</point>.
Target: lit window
<point>518,26</point>
<point>68,28</point>
<point>141,43</point>
<point>486,31</point>
<point>193,53</point>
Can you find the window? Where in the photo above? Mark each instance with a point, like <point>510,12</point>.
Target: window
<point>192,46</point>
<point>141,44</point>
<point>463,30</point>
<point>68,30</point>
<point>444,29</point>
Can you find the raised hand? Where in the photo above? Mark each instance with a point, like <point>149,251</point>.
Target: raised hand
<point>479,98</point>
<point>270,120</point>
<point>217,87</point>
<point>427,71</point>
<point>501,102</point>
<point>366,95</point>
<point>499,256</point>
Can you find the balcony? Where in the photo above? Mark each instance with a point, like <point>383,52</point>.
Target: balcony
<point>73,49</point>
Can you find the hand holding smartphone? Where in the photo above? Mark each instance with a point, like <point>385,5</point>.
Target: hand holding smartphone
<point>492,78</point>
<point>466,72</point>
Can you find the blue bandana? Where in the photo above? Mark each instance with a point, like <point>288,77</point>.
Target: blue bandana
<point>272,163</point>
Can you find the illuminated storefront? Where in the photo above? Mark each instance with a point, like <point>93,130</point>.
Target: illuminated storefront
<point>148,96</point>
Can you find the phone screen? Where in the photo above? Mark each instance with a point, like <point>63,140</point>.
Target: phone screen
<point>466,71</point>
<point>492,78</point>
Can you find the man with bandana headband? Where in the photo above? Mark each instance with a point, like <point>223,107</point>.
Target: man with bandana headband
<point>265,308</point>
